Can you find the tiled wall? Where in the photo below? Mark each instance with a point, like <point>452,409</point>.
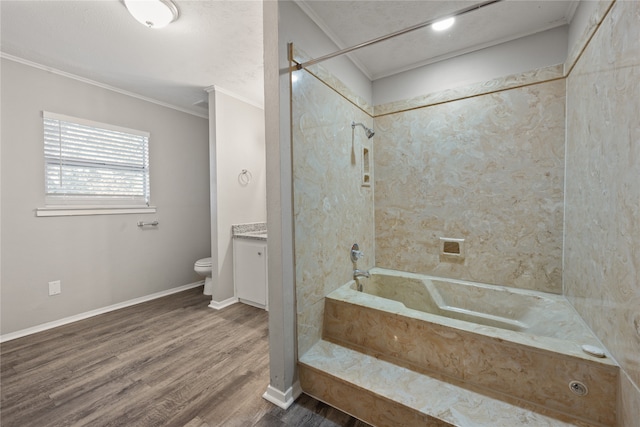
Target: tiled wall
<point>332,209</point>
<point>602,243</point>
<point>488,169</point>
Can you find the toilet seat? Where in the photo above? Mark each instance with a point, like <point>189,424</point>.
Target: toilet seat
<point>204,262</point>
<point>204,268</point>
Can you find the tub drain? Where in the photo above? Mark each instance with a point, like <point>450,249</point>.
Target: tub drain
<point>578,388</point>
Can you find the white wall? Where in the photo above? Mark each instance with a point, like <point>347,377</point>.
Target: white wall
<point>284,22</point>
<point>283,383</point>
<point>238,143</point>
<point>517,56</point>
<point>106,259</point>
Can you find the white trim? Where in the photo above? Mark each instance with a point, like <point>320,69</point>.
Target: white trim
<point>50,325</point>
<point>219,305</point>
<point>254,304</point>
<point>94,124</point>
<point>74,211</point>
<point>283,400</point>
<point>98,84</point>
<point>215,88</point>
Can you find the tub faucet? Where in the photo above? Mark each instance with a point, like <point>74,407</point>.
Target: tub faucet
<point>360,273</point>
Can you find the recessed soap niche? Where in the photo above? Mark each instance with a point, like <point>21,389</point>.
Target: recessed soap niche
<point>366,167</point>
<point>450,247</point>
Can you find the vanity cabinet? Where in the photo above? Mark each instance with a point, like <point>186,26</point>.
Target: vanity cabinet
<point>250,271</point>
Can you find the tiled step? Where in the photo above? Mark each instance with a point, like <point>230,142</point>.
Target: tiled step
<point>508,365</point>
<point>384,394</point>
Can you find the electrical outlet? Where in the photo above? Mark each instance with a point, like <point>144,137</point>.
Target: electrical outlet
<point>55,287</point>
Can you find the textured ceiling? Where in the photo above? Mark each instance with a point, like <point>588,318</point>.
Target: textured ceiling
<point>212,43</point>
<point>219,42</point>
<point>350,23</point>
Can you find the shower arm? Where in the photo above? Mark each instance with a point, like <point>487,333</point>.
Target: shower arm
<point>300,66</point>
<point>368,131</point>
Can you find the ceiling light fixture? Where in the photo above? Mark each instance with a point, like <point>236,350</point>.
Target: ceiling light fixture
<point>153,13</point>
<point>443,24</point>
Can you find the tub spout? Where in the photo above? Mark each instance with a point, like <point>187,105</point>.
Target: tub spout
<point>360,273</point>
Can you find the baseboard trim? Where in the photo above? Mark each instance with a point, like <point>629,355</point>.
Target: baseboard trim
<point>283,400</point>
<point>50,325</point>
<point>219,305</point>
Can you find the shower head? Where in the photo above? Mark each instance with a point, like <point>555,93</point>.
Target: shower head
<point>368,131</point>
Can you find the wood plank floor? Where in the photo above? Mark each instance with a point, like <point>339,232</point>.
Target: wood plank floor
<point>168,362</point>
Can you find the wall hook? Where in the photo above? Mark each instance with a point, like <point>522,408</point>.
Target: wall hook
<point>245,177</point>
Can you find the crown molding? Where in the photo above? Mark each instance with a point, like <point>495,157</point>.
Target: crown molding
<point>52,70</point>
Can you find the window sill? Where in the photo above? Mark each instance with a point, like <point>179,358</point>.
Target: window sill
<point>92,210</point>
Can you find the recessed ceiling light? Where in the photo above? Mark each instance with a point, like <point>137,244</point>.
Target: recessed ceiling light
<point>443,24</point>
<point>153,13</point>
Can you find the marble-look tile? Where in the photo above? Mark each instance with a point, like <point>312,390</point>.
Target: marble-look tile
<point>602,229</point>
<point>488,169</point>
<point>397,338</point>
<point>530,312</point>
<point>602,249</point>
<point>629,403</point>
<point>362,403</point>
<point>568,339</point>
<point>543,378</point>
<point>309,325</point>
<point>363,384</point>
<point>534,369</point>
<point>540,75</point>
<point>322,74</point>
<point>598,13</point>
<point>332,210</point>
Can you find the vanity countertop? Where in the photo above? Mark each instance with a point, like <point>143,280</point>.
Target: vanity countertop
<point>254,235</point>
<point>253,231</point>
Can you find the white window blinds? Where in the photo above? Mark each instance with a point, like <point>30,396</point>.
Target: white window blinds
<point>89,163</point>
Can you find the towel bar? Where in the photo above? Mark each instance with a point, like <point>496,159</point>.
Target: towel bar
<point>142,223</point>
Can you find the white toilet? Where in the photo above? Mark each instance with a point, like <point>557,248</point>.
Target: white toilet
<point>203,268</point>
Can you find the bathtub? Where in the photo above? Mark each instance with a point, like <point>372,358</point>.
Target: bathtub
<point>522,346</point>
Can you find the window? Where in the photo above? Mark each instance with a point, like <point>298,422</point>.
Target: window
<point>89,164</point>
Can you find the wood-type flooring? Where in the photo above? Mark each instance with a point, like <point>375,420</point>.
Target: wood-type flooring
<point>168,362</point>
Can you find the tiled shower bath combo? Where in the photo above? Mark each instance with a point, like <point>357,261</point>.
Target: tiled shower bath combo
<point>494,332</point>
<point>508,343</point>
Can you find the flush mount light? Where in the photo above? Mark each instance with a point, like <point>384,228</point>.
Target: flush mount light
<point>153,13</point>
<point>443,24</point>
